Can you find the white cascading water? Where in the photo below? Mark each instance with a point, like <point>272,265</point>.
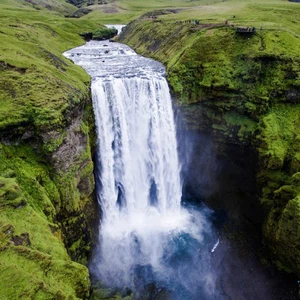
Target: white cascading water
<point>138,148</point>
<point>139,188</point>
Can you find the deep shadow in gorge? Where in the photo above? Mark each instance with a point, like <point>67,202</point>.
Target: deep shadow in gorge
<point>217,169</point>
<point>221,173</point>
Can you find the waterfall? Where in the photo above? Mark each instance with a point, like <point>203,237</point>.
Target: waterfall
<point>137,147</point>
<point>146,235</point>
<point>140,186</point>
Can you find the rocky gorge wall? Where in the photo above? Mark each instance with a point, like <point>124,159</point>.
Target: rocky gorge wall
<point>238,101</point>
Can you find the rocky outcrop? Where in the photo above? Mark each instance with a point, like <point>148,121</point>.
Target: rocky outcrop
<point>238,101</point>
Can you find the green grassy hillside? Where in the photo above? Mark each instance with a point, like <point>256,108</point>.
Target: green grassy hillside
<point>56,7</point>
<point>45,186</point>
<point>37,83</point>
<point>124,11</point>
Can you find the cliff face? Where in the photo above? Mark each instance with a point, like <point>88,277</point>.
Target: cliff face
<point>238,97</point>
<point>47,200</point>
<point>46,206</point>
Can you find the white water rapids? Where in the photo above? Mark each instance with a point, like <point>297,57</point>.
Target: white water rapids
<point>143,225</point>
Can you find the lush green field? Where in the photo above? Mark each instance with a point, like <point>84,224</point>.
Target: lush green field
<point>123,11</point>
<point>275,14</point>
<point>268,14</point>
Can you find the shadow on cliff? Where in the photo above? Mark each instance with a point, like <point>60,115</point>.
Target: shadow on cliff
<point>221,174</point>
<point>217,170</point>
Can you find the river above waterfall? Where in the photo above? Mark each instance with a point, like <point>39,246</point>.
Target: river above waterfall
<point>105,59</point>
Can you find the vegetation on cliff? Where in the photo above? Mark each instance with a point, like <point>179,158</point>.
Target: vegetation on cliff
<point>46,169</point>
<point>247,87</point>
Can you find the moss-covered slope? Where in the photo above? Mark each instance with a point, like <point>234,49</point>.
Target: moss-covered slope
<point>246,88</point>
<point>34,262</point>
<point>46,168</point>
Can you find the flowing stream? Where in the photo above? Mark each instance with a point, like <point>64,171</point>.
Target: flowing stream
<point>148,241</point>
